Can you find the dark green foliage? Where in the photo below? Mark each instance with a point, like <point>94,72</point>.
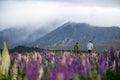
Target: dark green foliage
<point>112,74</point>
<point>6,77</point>
<point>22,49</point>
<point>78,78</point>
<point>46,71</point>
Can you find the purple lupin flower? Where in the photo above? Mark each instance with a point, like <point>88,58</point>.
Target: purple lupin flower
<point>88,67</point>
<point>58,73</point>
<point>102,65</point>
<point>32,70</point>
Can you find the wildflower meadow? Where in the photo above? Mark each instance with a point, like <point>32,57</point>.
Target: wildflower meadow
<point>50,65</point>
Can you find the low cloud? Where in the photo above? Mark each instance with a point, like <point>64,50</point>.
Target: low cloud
<point>50,14</point>
<point>101,3</point>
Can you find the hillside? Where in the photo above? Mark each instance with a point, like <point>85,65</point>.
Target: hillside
<point>63,37</point>
<point>69,33</point>
<point>19,36</point>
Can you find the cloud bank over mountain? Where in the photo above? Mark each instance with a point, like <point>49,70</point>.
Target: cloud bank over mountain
<point>51,13</point>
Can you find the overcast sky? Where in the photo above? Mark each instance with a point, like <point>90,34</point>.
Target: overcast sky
<point>41,13</point>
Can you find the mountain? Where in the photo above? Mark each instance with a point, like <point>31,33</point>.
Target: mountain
<point>108,45</point>
<point>69,33</point>
<point>19,36</point>
<point>64,36</point>
<point>12,36</point>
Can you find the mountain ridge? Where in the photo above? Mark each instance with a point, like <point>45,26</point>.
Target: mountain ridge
<point>65,35</point>
<point>69,33</point>
<point>19,36</point>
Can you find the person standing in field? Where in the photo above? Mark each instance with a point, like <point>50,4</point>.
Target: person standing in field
<point>76,48</point>
<point>90,47</point>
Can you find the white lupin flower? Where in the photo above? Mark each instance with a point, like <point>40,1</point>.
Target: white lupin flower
<point>14,71</point>
<point>114,64</point>
<point>5,61</point>
<point>41,72</point>
<point>53,60</point>
<point>0,58</point>
<point>35,56</point>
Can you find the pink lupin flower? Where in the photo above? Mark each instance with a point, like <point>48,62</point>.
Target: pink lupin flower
<point>52,53</point>
<point>63,61</point>
<point>19,57</point>
<point>94,54</point>
<point>84,62</point>
<point>34,56</point>
<point>60,76</point>
<point>39,59</point>
<point>70,60</point>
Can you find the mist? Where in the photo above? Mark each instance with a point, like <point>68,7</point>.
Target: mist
<point>50,14</point>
